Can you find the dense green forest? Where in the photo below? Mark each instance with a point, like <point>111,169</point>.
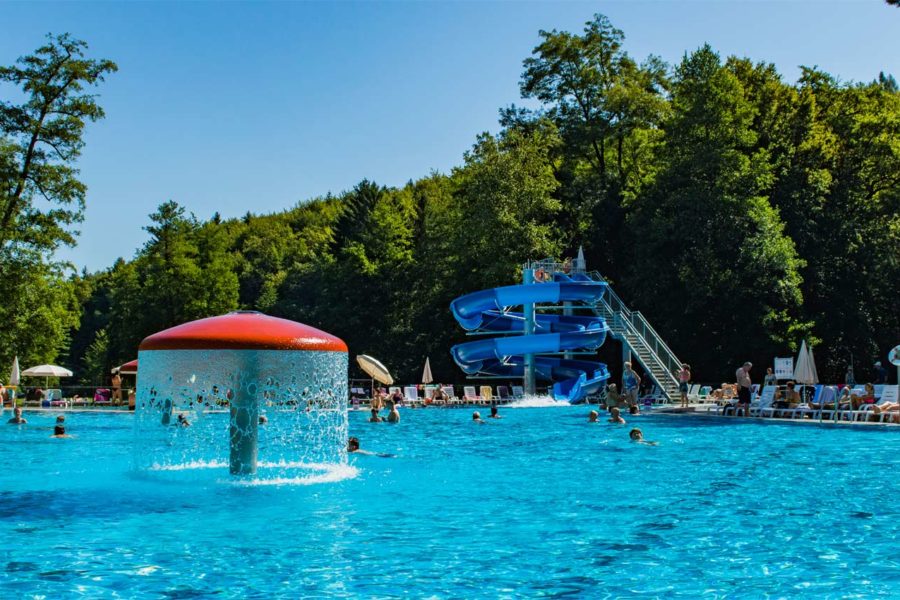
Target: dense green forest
<point>739,212</point>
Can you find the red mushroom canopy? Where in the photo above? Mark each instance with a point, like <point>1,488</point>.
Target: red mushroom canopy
<point>243,330</point>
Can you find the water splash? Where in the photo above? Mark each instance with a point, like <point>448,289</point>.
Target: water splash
<point>537,402</point>
<point>223,394</point>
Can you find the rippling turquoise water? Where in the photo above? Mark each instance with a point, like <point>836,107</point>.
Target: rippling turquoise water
<point>538,503</point>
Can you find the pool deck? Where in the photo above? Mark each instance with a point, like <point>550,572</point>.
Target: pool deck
<point>700,411</point>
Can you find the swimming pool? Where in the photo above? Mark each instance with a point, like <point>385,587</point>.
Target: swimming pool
<point>538,503</point>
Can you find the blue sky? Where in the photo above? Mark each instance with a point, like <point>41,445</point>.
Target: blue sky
<point>232,107</point>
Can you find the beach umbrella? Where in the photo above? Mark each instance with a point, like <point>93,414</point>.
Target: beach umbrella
<point>374,369</point>
<point>805,371</point>
<point>129,368</point>
<point>580,264</point>
<point>47,371</point>
<point>14,375</point>
<point>426,374</point>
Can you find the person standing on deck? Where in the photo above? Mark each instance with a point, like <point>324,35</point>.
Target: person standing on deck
<point>880,373</point>
<point>117,388</point>
<point>742,375</point>
<point>770,378</point>
<point>684,379</point>
<point>630,384</point>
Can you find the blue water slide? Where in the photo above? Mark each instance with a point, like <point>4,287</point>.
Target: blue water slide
<point>469,309</point>
<point>488,310</point>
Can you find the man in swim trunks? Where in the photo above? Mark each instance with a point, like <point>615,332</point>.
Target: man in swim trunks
<point>742,375</point>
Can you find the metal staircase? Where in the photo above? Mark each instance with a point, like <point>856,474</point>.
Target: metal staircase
<point>648,348</point>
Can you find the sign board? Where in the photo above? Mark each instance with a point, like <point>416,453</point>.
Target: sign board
<point>784,368</point>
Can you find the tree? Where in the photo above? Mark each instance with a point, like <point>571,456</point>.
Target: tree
<point>96,360</point>
<point>41,138</point>
<point>505,206</point>
<point>40,195</point>
<point>713,265</point>
<point>607,109</point>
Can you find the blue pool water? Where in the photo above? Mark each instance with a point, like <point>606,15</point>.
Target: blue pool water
<point>539,503</point>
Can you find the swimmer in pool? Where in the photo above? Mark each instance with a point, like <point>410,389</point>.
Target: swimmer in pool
<point>494,413</point>
<point>17,417</point>
<point>375,418</point>
<point>59,431</point>
<point>634,410</point>
<point>182,420</point>
<point>592,416</point>
<point>614,416</point>
<point>263,419</point>
<point>394,415</point>
<point>353,448</point>
<point>476,417</point>
<point>637,435</point>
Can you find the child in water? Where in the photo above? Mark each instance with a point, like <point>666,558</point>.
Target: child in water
<point>59,431</point>
<point>637,436</point>
<point>614,416</point>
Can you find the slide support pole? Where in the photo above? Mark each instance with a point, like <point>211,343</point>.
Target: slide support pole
<point>528,310</point>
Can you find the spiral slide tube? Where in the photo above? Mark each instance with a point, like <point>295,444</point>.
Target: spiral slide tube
<point>504,356</point>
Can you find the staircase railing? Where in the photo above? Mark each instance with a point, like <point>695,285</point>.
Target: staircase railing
<point>638,326</point>
<point>669,377</point>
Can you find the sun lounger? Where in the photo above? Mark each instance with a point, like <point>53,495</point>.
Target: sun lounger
<point>694,393</point>
<point>451,395</point>
<point>703,394</point>
<point>470,395</point>
<point>518,392</point>
<point>804,409</point>
<point>487,395</point>
<point>411,394</point>
<point>890,394</point>
<point>102,397</point>
<point>54,399</point>
<point>763,404</point>
<point>503,393</point>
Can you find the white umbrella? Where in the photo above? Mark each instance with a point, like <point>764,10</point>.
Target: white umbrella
<point>47,371</point>
<point>805,371</point>
<point>374,369</point>
<point>426,374</point>
<point>14,375</point>
<point>580,264</point>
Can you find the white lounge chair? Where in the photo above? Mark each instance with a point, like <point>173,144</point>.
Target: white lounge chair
<point>518,392</point>
<point>411,394</point>
<point>694,393</point>
<point>763,405</point>
<point>470,395</point>
<point>890,394</point>
<point>804,409</point>
<point>451,395</point>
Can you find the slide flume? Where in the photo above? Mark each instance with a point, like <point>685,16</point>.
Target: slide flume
<point>487,310</point>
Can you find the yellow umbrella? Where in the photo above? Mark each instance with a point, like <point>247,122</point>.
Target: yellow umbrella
<point>374,369</point>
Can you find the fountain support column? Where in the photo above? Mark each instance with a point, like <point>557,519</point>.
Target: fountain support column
<point>244,430</point>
